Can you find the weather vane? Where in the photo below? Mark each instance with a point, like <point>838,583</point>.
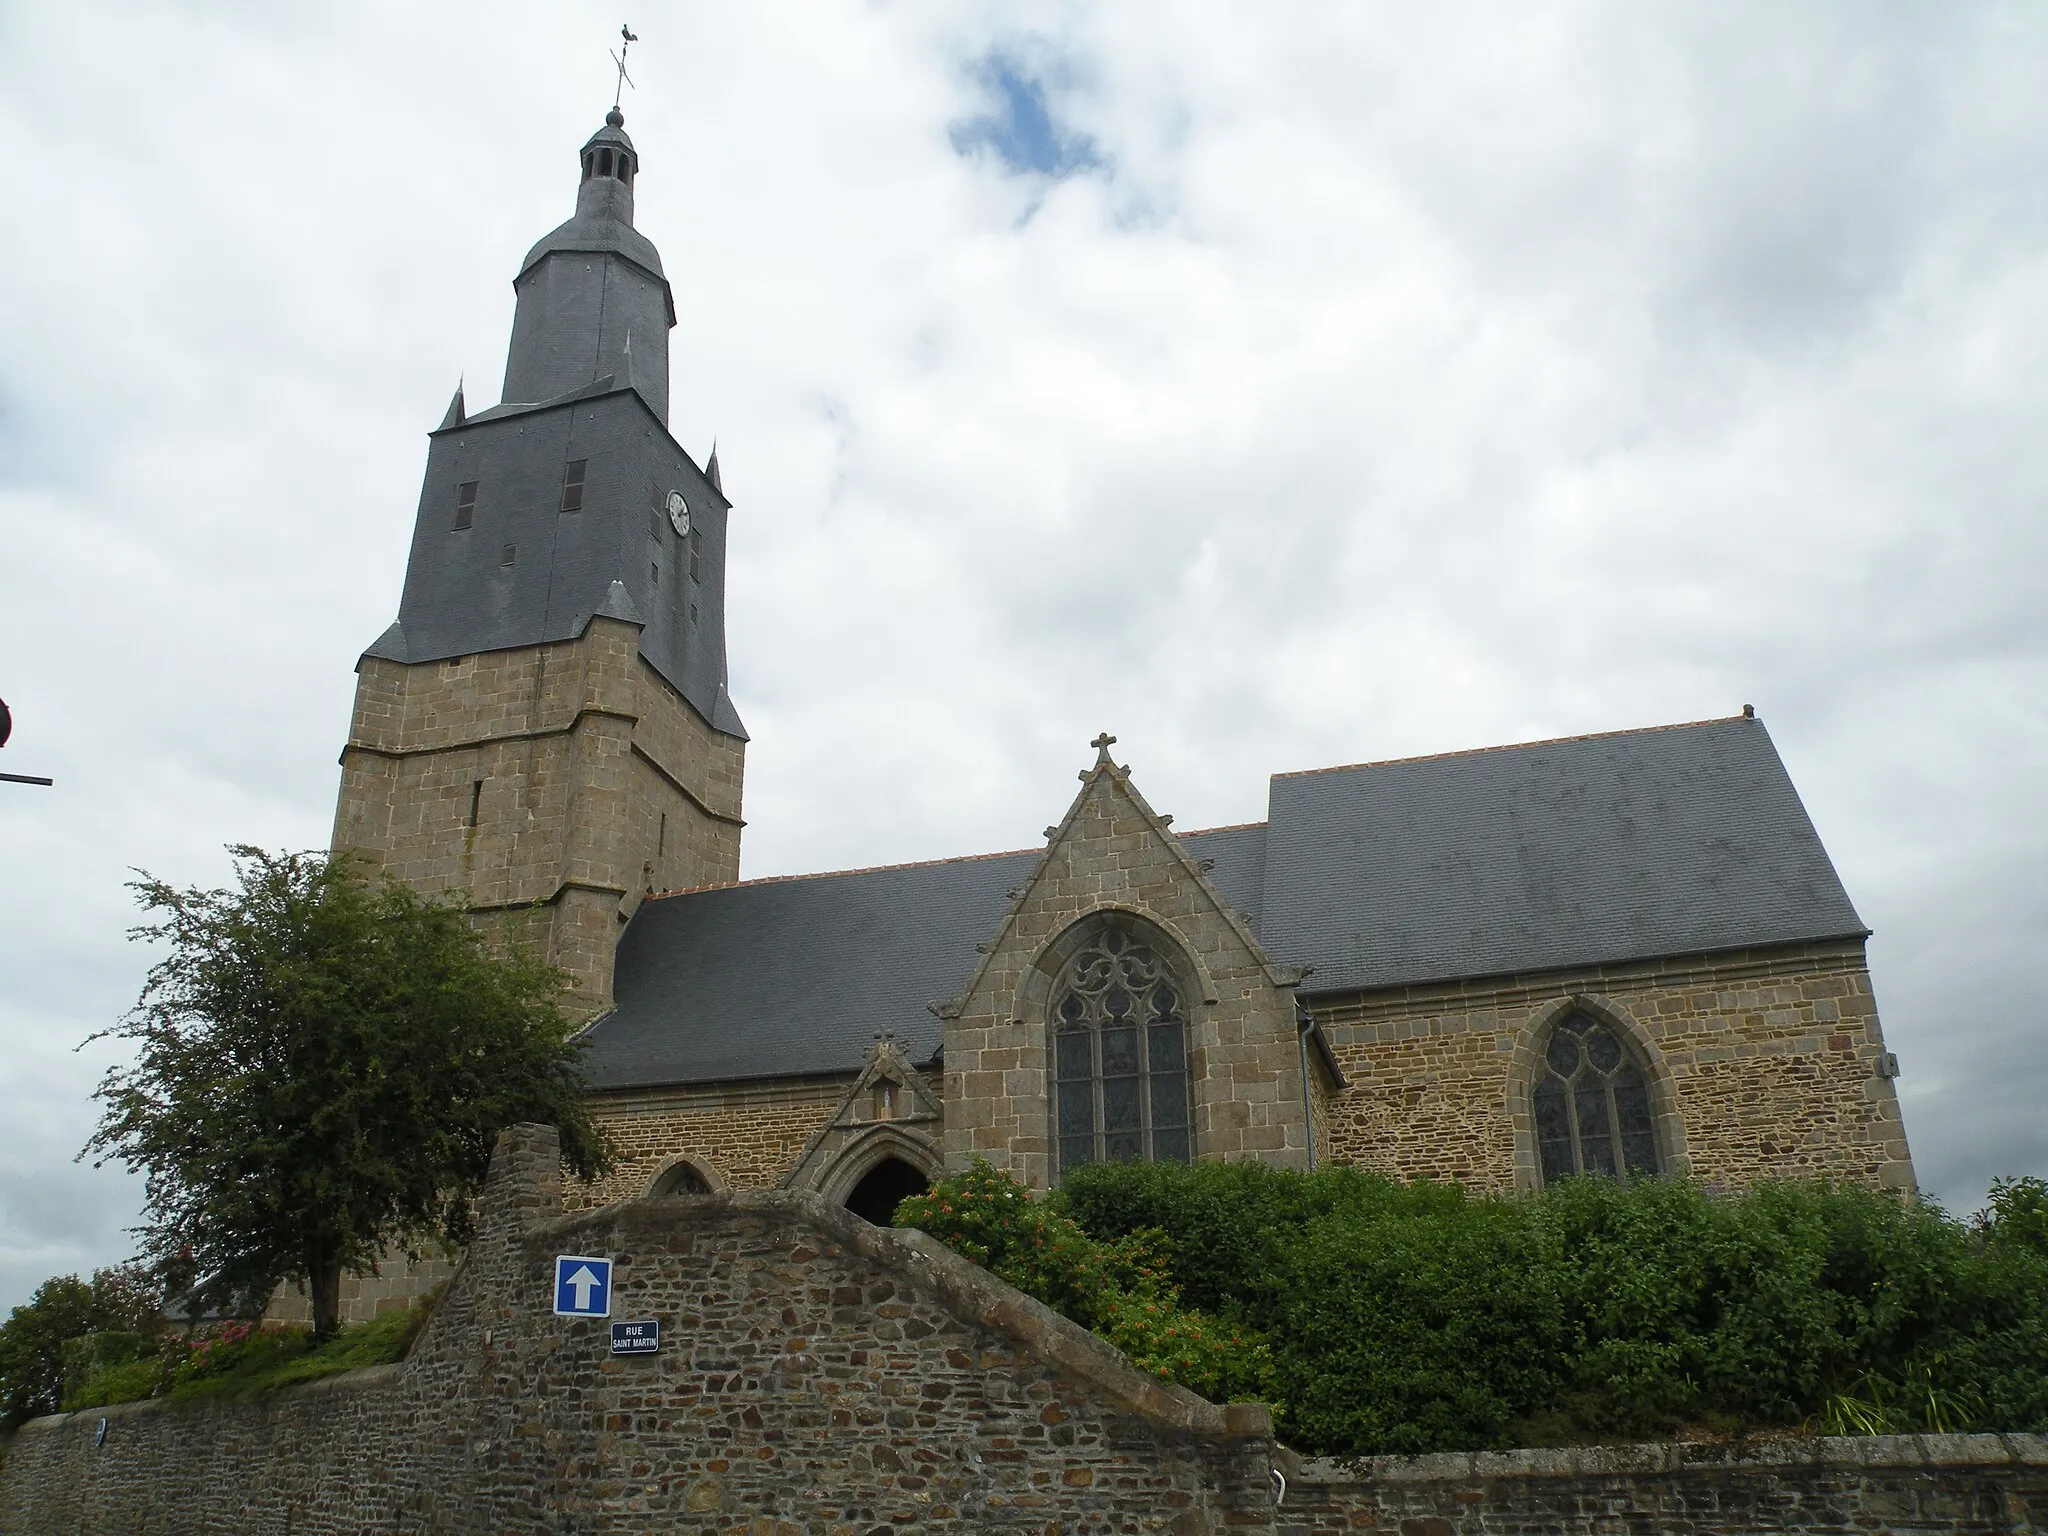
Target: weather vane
<point>628,39</point>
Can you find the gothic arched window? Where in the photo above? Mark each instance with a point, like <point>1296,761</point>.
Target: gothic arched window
<point>1592,1104</point>
<point>1119,1055</point>
<point>681,1178</point>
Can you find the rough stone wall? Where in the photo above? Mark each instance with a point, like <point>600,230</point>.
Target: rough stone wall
<point>742,1135</point>
<point>817,1375</point>
<point>398,1283</point>
<point>1920,1484</point>
<point>1114,854</point>
<point>598,783</point>
<point>1322,1101</point>
<point>1765,1063</point>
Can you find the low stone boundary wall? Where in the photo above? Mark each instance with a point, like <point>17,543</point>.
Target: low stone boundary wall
<point>817,1375</point>
<point>1866,1485</point>
<point>822,1377</point>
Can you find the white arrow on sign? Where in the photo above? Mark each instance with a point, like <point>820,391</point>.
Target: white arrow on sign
<point>583,1282</point>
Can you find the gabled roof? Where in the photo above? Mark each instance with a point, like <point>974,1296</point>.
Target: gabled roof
<point>795,976</point>
<point>1587,850</point>
<point>1590,850</point>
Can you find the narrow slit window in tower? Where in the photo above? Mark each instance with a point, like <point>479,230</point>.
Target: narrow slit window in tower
<point>572,485</point>
<point>508,554</point>
<point>465,504</point>
<point>654,572</point>
<point>696,552</point>
<point>476,800</point>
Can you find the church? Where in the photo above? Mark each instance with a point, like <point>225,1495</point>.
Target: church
<point>1609,953</point>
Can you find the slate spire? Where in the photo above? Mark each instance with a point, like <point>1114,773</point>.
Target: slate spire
<point>588,285</point>
<point>569,500</point>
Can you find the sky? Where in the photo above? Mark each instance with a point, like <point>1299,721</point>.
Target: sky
<point>1274,387</point>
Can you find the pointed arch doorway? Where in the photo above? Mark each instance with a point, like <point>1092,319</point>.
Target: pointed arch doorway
<point>882,1188</point>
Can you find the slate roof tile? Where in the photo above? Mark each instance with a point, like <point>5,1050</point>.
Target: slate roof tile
<point>1541,856</point>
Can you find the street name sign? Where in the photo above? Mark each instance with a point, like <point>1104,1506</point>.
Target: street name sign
<point>583,1286</point>
<point>636,1338</point>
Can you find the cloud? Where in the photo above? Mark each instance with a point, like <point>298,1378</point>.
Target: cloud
<point>1275,391</point>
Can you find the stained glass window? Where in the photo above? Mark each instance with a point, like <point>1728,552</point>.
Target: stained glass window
<point>1119,1056</point>
<point>1592,1104</point>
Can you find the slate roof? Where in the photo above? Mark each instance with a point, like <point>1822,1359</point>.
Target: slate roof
<point>1593,849</point>
<point>1564,853</point>
<point>793,976</point>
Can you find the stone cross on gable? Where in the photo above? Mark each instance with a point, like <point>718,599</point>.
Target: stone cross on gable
<point>1102,744</point>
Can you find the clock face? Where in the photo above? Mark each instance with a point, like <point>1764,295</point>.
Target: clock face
<point>679,513</point>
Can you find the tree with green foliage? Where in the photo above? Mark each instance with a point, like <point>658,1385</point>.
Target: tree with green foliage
<point>38,1339</point>
<point>325,1062</point>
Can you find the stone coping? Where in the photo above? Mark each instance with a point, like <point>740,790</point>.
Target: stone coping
<point>957,1284</point>
<point>1912,1452</point>
<point>362,1377</point>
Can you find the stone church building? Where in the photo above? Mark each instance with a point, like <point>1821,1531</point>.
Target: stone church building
<point>1617,952</point>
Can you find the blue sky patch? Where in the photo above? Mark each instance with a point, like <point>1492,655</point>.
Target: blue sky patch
<point>1018,129</point>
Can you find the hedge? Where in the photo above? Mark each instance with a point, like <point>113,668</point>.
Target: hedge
<point>1394,1318</point>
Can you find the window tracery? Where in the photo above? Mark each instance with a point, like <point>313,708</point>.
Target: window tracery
<point>1592,1104</point>
<point>1119,1056</point>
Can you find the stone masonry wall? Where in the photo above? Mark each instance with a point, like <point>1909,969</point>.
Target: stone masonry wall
<point>398,1283</point>
<point>821,1377</point>
<point>598,782</point>
<point>1113,854</point>
<point>1920,1484</point>
<point>817,1375</point>
<point>743,1135</point>
<point>1765,1064</point>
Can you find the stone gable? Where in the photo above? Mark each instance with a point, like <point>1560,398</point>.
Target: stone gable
<point>1112,854</point>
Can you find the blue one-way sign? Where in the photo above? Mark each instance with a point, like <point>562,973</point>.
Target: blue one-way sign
<point>583,1286</point>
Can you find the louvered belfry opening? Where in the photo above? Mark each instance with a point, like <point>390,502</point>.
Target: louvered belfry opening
<point>1119,1055</point>
<point>1592,1104</point>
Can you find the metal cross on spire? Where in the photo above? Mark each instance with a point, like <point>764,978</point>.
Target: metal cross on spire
<point>627,39</point>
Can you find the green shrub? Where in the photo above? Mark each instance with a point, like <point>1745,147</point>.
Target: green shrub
<point>1421,1318</point>
<point>127,1382</point>
<point>95,1357</point>
<point>241,1359</point>
<point>1118,1289</point>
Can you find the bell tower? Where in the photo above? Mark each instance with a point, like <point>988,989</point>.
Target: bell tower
<point>545,729</point>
